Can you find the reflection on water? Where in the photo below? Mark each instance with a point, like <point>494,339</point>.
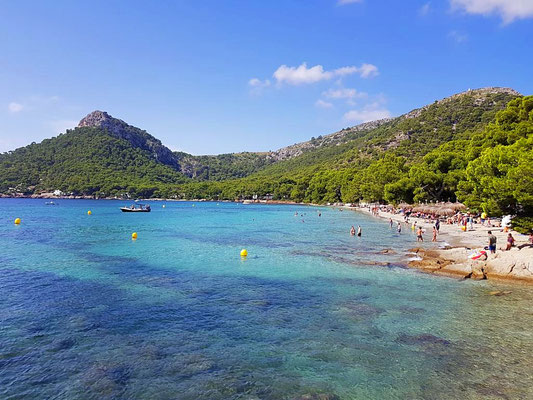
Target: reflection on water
<point>87,313</point>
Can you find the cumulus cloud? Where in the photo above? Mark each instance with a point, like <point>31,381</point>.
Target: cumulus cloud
<point>15,107</point>
<point>508,10</point>
<point>323,104</point>
<point>370,112</point>
<point>303,75</point>
<point>344,2</point>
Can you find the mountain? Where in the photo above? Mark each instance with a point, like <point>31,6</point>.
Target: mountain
<point>106,156</point>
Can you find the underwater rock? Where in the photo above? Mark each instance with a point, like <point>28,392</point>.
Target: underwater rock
<point>318,396</point>
<point>359,309</point>
<point>500,292</point>
<point>106,380</point>
<point>63,344</point>
<point>387,251</point>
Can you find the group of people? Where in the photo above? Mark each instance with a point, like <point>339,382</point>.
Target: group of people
<point>359,231</point>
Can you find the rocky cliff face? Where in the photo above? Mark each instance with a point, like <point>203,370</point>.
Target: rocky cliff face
<point>137,137</point>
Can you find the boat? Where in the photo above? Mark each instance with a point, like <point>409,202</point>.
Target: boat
<point>50,203</point>
<point>136,208</point>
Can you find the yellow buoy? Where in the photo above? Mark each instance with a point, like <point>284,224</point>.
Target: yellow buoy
<point>89,212</point>
<point>463,228</point>
<point>134,235</point>
<point>17,221</point>
<point>244,253</point>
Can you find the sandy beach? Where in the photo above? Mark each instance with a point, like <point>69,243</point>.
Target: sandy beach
<point>450,255</point>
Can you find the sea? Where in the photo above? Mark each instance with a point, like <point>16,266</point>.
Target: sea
<point>312,313</point>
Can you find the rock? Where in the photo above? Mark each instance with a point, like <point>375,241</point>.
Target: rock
<point>500,292</point>
<point>318,396</point>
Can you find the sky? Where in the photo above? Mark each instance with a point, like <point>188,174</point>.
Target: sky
<point>220,76</point>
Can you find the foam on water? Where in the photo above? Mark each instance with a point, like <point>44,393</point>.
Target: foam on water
<point>87,313</point>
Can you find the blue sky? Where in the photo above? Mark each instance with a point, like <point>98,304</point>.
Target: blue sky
<point>216,76</point>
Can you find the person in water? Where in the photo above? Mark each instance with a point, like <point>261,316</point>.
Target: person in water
<point>359,232</point>
<point>352,231</point>
<point>419,237</point>
<point>399,227</point>
<point>390,222</point>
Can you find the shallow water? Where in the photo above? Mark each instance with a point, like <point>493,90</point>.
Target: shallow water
<point>87,313</point>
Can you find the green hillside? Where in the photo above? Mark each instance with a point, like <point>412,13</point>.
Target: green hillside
<point>86,161</point>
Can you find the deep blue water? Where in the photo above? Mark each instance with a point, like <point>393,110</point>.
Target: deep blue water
<point>88,313</point>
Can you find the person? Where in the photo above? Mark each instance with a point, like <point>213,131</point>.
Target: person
<point>413,226</point>
<point>352,231</point>
<point>390,222</point>
<point>437,225</point>
<point>492,242</point>
<point>358,230</point>
<point>399,227</point>
<point>510,242</point>
<point>434,239</point>
<point>419,237</point>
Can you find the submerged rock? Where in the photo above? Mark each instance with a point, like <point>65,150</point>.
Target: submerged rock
<point>359,309</point>
<point>317,396</point>
<point>500,292</point>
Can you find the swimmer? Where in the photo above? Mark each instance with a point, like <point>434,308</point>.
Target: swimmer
<point>352,231</point>
<point>359,231</point>
<point>419,237</point>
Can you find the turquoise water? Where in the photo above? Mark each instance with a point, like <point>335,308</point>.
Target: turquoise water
<point>88,313</point>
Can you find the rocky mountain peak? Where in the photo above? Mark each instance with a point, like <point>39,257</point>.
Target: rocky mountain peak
<point>137,137</point>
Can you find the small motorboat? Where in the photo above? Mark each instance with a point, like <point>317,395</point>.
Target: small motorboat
<point>137,208</point>
<point>50,203</point>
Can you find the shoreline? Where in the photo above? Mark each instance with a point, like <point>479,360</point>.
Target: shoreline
<point>449,256</point>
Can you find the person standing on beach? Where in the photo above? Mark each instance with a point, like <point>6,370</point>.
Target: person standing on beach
<point>419,237</point>
<point>434,239</point>
<point>492,242</point>
<point>437,225</point>
<point>359,230</point>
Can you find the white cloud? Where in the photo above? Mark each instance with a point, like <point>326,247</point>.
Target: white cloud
<point>15,107</point>
<point>368,71</point>
<point>458,37</point>
<point>424,10</point>
<point>371,112</point>
<point>258,83</point>
<point>508,10</point>
<point>343,93</point>
<point>323,104</point>
<point>344,2</point>
<point>302,75</point>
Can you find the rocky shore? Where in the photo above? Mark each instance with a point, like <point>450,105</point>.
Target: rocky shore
<point>449,256</point>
